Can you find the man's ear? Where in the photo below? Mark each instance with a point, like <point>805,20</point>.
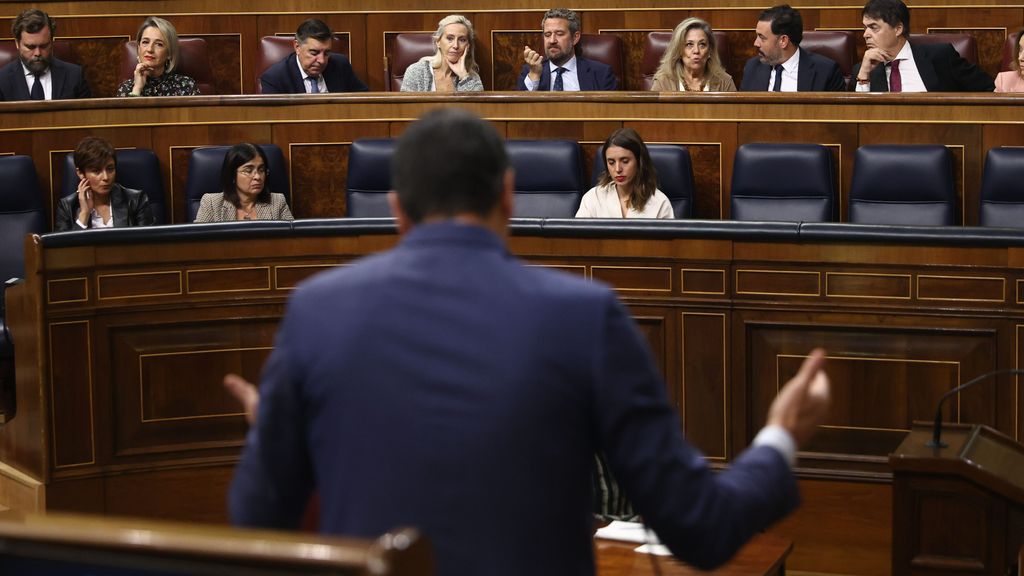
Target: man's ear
<point>296,45</point>
<point>401,218</point>
<point>576,38</point>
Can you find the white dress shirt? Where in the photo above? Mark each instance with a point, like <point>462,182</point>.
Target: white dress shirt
<point>46,79</point>
<point>570,80</point>
<point>909,75</point>
<point>603,202</point>
<point>790,72</point>
<point>322,86</point>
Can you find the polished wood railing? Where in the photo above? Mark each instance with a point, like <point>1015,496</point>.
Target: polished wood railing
<point>107,322</point>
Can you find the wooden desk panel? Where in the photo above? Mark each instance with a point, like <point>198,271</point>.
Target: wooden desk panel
<point>728,315</point>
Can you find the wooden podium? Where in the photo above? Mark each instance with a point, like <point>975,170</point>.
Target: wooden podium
<point>957,509</point>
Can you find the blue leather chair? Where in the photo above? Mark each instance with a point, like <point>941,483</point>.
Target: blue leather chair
<point>549,179</point>
<point>204,173</point>
<point>21,213</point>
<point>369,177</point>
<point>137,168</point>
<point>675,174</point>
<point>903,185</point>
<point>783,182</point>
<point>1002,189</point>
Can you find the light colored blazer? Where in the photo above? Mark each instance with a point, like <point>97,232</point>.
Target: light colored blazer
<point>721,83</point>
<point>214,208</point>
<point>419,77</point>
<point>1009,81</point>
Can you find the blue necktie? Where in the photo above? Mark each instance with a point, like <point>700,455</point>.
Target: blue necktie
<point>314,84</point>
<point>37,90</point>
<point>558,79</point>
<point>778,78</point>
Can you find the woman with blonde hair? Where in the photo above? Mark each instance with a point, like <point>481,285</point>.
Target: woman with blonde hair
<point>691,63</point>
<point>154,75</point>
<point>453,68</point>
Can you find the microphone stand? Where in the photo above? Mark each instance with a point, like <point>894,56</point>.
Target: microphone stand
<point>936,441</point>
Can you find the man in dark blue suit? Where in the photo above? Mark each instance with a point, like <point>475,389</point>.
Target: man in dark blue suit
<point>892,63</point>
<point>561,28</point>
<point>37,74</point>
<point>781,65</point>
<point>312,69</point>
<point>445,385</point>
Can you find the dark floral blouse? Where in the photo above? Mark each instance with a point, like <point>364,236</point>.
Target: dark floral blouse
<point>165,85</point>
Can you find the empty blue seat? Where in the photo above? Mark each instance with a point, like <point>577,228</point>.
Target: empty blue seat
<point>369,177</point>
<point>549,177</point>
<point>903,185</point>
<point>675,174</point>
<point>1002,189</point>
<point>137,168</point>
<point>204,174</point>
<point>21,213</point>
<point>783,182</point>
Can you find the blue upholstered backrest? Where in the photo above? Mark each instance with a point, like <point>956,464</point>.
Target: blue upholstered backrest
<point>903,185</point>
<point>783,182</point>
<point>204,173</point>
<point>1002,189</point>
<point>369,177</point>
<point>549,179</point>
<point>675,174</point>
<point>137,168</point>
<point>21,213</point>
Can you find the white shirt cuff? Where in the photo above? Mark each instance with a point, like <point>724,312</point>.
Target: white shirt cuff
<point>862,87</point>
<point>80,225</point>
<point>530,84</point>
<point>780,439</point>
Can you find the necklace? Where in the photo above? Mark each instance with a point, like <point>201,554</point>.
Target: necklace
<point>247,212</point>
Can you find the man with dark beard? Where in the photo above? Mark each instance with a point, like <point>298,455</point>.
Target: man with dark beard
<point>37,75</point>
<point>559,69</point>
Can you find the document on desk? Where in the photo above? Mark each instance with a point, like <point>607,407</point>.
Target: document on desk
<point>633,532</point>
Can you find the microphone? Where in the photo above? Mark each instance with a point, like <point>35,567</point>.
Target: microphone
<point>936,442</point>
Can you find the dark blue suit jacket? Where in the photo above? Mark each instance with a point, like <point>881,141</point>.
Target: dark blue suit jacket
<point>445,385</point>
<point>284,77</point>
<point>942,69</point>
<point>593,75</point>
<point>817,73</point>
<point>67,81</point>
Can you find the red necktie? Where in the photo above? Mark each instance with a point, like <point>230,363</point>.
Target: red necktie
<point>895,79</point>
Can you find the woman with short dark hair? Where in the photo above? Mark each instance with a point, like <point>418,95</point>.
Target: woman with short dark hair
<point>100,202</point>
<point>245,193</point>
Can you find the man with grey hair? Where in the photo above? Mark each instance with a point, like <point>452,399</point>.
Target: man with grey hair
<point>36,74</point>
<point>312,69</point>
<point>561,29</point>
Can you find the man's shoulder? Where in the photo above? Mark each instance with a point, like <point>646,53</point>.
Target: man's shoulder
<point>596,65</point>
<point>11,68</point>
<point>338,61</point>
<point>62,65</point>
<point>815,59</point>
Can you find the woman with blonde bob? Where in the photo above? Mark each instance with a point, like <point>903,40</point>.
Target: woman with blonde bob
<point>691,63</point>
<point>154,75</point>
<point>453,68</point>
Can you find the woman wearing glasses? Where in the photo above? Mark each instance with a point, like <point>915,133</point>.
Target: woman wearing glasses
<point>246,194</point>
